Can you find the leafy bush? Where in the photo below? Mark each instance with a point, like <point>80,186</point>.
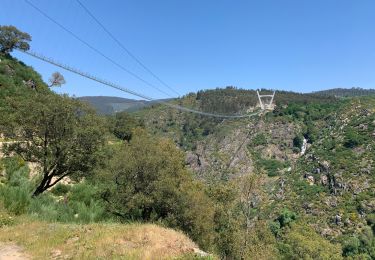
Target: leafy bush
<point>45,207</point>
<point>271,166</point>
<point>16,199</point>
<point>353,138</point>
<point>360,246</point>
<point>5,218</point>
<point>286,218</point>
<point>122,125</point>
<point>61,189</point>
<point>298,141</point>
<point>351,246</point>
<point>16,191</point>
<point>296,150</point>
<point>87,205</point>
<point>302,242</point>
<point>260,139</point>
<point>371,219</point>
<point>80,205</point>
<point>275,227</point>
<point>147,181</point>
<point>307,191</point>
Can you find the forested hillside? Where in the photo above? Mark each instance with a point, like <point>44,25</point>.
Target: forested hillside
<point>318,202</point>
<point>344,92</point>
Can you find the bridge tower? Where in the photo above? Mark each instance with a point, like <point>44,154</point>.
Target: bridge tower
<point>264,104</point>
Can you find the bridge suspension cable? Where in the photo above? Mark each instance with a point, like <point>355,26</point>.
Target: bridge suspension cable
<point>122,46</point>
<point>95,49</point>
<point>118,87</point>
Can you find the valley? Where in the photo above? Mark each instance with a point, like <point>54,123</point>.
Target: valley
<point>107,177</point>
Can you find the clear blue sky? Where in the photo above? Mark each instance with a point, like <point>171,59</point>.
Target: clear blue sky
<point>299,45</point>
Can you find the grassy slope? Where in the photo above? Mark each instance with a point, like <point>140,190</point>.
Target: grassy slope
<point>42,240</point>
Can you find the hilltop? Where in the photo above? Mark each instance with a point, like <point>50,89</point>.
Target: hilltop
<point>346,92</point>
<point>109,105</point>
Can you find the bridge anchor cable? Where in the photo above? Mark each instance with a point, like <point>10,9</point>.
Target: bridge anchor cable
<point>129,91</point>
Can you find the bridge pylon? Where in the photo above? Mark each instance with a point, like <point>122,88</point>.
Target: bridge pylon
<point>264,105</point>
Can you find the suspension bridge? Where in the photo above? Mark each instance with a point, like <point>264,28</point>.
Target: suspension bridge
<point>118,87</point>
<point>265,101</point>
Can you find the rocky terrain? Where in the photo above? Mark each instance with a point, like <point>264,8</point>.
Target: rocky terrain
<point>316,160</point>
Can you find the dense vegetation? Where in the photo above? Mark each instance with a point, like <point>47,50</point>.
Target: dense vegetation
<point>239,188</point>
<point>343,92</point>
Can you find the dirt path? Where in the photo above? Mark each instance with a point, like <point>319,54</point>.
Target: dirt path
<point>12,252</point>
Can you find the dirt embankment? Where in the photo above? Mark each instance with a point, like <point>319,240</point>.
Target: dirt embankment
<point>41,240</point>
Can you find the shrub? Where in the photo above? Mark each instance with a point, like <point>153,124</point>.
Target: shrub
<point>16,199</point>
<point>6,220</point>
<point>16,193</point>
<point>271,166</point>
<point>45,207</point>
<point>351,246</point>
<point>80,205</point>
<point>88,213</point>
<point>352,138</point>
<point>286,218</point>
<point>298,141</point>
<point>84,192</point>
<point>296,150</point>
<point>60,189</point>
<point>275,227</point>
<point>260,139</point>
<point>370,218</point>
<point>302,242</point>
<point>151,183</point>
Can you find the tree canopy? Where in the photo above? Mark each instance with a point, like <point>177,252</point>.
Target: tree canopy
<point>11,38</point>
<point>56,80</point>
<point>62,135</point>
<point>149,182</point>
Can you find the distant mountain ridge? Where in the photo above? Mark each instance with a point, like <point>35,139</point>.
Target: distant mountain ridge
<point>109,105</point>
<point>346,92</point>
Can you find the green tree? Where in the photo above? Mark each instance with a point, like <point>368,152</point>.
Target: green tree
<point>352,138</point>
<point>261,244</point>
<point>123,124</point>
<point>286,218</point>
<point>11,38</point>
<point>351,246</point>
<point>228,221</point>
<point>62,135</point>
<point>302,242</point>
<point>150,183</point>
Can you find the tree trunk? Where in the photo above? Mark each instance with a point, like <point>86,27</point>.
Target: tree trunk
<point>42,186</point>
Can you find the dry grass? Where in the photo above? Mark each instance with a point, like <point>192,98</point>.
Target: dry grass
<point>44,240</point>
